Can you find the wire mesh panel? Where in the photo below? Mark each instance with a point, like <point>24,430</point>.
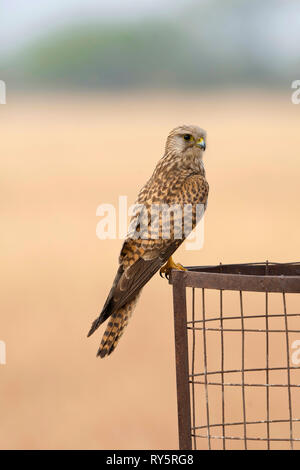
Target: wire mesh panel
<point>237,339</point>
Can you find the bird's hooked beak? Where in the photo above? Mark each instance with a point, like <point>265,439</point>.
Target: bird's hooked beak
<point>201,143</point>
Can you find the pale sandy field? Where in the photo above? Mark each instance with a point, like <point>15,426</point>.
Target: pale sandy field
<point>62,156</point>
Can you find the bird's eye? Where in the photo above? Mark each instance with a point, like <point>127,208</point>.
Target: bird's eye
<point>187,136</point>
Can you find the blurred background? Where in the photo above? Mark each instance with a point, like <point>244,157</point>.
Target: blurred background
<point>93,88</point>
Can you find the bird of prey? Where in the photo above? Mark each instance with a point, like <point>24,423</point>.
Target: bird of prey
<point>177,181</point>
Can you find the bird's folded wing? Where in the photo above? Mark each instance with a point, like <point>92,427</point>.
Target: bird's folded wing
<point>139,273</point>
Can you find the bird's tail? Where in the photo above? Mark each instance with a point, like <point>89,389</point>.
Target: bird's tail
<point>115,328</point>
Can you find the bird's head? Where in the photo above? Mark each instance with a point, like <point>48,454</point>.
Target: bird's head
<point>186,142</point>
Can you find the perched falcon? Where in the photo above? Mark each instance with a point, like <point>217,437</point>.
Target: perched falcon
<point>178,181</point>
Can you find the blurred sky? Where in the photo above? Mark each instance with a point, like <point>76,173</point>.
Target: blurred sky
<point>22,20</point>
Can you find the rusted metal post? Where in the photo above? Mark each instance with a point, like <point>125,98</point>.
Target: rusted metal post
<point>182,360</point>
<point>265,277</point>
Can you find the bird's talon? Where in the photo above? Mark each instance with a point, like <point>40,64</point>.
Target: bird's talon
<point>167,268</point>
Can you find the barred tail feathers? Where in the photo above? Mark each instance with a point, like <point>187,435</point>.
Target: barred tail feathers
<point>115,328</point>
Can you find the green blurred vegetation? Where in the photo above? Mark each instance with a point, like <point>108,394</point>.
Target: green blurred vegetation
<point>122,56</point>
<point>216,43</point>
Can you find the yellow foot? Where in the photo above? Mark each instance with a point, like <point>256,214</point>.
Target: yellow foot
<point>167,268</point>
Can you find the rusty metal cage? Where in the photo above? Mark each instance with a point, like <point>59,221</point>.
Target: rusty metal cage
<point>237,345</point>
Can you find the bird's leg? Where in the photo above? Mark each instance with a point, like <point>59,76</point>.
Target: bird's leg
<point>170,264</point>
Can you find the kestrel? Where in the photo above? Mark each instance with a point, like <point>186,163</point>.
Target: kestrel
<point>178,181</point>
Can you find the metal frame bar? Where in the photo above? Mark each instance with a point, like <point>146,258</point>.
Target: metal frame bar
<point>182,363</point>
<point>252,277</point>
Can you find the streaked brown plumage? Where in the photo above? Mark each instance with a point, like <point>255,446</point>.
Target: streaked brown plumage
<point>179,178</point>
